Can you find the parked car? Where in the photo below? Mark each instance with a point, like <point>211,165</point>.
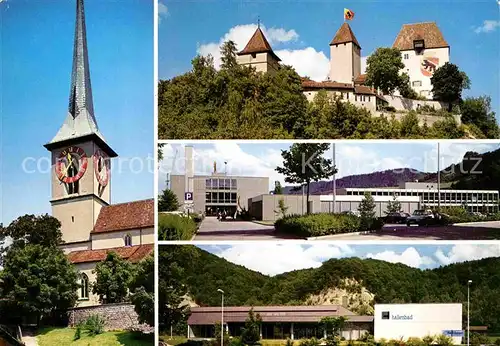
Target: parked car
<point>351,212</point>
<point>399,217</point>
<point>421,217</point>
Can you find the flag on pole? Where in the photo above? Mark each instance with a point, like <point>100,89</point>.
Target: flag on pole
<point>348,14</point>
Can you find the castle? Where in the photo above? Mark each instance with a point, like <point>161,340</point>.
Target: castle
<point>422,46</point>
<point>81,184</point>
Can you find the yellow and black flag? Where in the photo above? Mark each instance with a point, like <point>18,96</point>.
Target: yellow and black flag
<point>348,14</point>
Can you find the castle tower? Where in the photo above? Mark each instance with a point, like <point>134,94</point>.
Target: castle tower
<point>345,56</point>
<point>259,54</point>
<point>80,155</point>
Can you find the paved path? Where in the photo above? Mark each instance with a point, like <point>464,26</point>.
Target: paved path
<point>29,340</point>
<point>466,231</point>
<point>213,229</point>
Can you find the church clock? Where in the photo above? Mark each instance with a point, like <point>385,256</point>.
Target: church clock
<point>101,167</point>
<point>71,165</point>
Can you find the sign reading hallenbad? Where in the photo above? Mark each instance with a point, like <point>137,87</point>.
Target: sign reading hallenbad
<point>396,321</point>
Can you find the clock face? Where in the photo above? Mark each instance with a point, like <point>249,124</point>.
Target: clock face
<point>101,167</point>
<point>71,164</point>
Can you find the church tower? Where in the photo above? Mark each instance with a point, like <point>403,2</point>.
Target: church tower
<point>80,155</point>
<point>345,56</point>
<point>259,54</point>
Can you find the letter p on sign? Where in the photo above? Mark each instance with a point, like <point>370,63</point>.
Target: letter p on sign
<point>188,196</point>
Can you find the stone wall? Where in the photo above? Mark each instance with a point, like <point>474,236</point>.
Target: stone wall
<point>422,118</point>
<point>401,103</point>
<point>117,316</point>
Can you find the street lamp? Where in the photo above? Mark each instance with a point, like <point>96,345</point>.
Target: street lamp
<point>222,318</point>
<point>468,311</point>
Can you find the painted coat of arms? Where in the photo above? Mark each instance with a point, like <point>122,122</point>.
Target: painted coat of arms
<point>429,65</point>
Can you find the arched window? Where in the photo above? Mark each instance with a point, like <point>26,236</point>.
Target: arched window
<point>84,286</point>
<point>128,240</point>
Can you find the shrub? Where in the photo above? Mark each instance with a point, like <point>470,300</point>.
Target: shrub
<point>314,225</point>
<point>497,342</point>
<point>415,342</point>
<point>175,227</point>
<point>95,325</point>
<point>428,339</point>
<point>444,340</point>
<point>78,332</point>
<point>236,342</point>
<point>310,342</point>
<point>388,108</point>
<point>289,342</point>
<point>426,109</point>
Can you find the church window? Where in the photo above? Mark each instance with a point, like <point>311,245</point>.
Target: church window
<point>128,240</point>
<point>84,286</point>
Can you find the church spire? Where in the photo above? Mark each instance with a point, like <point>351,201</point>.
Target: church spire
<point>80,121</point>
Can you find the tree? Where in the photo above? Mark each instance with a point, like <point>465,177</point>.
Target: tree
<point>160,151</point>
<point>367,210</point>
<point>228,55</point>
<point>172,267</point>
<point>405,88</point>
<point>382,71</point>
<point>393,206</point>
<point>282,208</point>
<point>113,276</point>
<point>478,111</point>
<point>142,288</point>
<point>251,333</point>
<point>168,201</point>
<point>304,163</point>
<point>278,189</point>
<point>217,335</point>
<point>30,229</point>
<point>37,281</point>
<point>333,325</point>
<point>448,82</point>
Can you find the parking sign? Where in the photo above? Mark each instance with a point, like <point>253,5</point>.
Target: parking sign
<point>188,196</point>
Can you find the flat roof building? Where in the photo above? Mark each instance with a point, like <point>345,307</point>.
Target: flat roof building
<point>278,322</point>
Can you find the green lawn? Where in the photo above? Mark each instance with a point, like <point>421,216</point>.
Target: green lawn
<point>175,340</point>
<point>64,336</point>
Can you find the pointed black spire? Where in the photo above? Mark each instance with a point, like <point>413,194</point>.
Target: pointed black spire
<point>80,120</point>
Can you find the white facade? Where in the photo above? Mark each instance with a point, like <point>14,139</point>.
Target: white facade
<point>421,66</point>
<point>345,62</point>
<point>402,321</point>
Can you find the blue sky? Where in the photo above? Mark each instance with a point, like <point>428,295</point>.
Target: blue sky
<point>37,48</point>
<point>189,27</point>
<point>279,258</point>
<point>261,159</point>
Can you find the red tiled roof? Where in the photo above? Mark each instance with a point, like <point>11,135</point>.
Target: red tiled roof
<point>117,217</point>
<point>210,315</point>
<point>132,253</point>
<point>364,90</point>
<point>361,79</point>
<point>345,35</point>
<point>429,32</point>
<point>307,83</point>
<point>258,44</point>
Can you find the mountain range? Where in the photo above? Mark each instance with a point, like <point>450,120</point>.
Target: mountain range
<point>475,171</point>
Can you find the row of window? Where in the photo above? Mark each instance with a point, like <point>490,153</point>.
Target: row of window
<point>221,184</point>
<point>448,196</point>
<point>220,197</point>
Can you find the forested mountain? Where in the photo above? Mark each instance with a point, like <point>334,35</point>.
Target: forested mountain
<point>475,171</point>
<point>389,283</point>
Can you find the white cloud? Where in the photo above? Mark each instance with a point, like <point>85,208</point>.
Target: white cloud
<point>162,11</point>
<point>306,61</point>
<point>363,64</point>
<point>487,26</point>
<point>273,259</point>
<point>466,252</point>
<point>410,257</point>
<point>451,153</point>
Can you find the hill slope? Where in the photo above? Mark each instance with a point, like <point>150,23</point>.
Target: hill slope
<point>360,279</point>
<point>475,171</point>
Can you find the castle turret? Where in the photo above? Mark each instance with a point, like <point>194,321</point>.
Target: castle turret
<point>259,54</point>
<point>345,56</point>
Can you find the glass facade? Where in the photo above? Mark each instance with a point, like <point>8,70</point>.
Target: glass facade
<point>221,184</point>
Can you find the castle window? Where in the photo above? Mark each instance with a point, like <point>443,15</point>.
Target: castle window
<point>72,219</point>
<point>418,44</point>
<point>355,97</point>
<point>254,55</point>
<point>417,83</point>
<point>407,56</point>
<point>84,286</point>
<point>128,240</point>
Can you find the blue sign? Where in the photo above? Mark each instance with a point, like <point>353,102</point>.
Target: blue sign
<point>188,196</point>
<point>454,333</point>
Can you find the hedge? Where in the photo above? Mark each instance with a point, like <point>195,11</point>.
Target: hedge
<point>315,225</point>
<point>460,215</point>
<point>175,227</point>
